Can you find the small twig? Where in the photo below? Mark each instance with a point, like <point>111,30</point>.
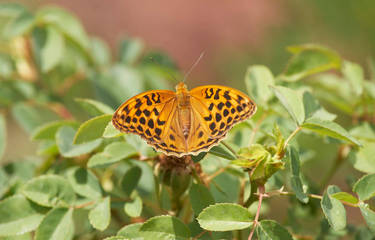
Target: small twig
<point>83,205</point>
<point>256,128</point>
<point>199,235</point>
<point>229,148</point>
<point>215,174</point>
<point>291,136</point>
<point>255,222</point>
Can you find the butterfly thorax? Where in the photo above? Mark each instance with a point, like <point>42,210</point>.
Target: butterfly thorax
<point>183,108</point>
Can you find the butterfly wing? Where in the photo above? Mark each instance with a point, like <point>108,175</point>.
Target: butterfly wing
<point>147,115</point>
<point>219,109</point>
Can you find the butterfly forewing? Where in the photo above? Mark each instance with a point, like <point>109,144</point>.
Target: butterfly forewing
<point>220,108</point>
<point>146,114</point>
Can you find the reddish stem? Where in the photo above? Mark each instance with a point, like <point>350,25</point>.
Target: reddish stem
<point>255,223</point>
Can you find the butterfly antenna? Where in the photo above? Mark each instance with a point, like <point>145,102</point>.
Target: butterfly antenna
<point>169,74</point>
<point>193,66</point>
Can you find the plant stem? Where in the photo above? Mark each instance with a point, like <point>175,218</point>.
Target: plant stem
<point>255,223</point>
<point>229,148</point>
<point>291,136</point>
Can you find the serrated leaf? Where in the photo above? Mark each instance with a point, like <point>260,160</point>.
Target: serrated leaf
<point>200,197</point>
<point>329,128</point>
<point>100,215</point>
<point>346,197</point>
<point>292,101</point>
<point>164,227</point>
<point>53,50</point>
<point>3,137</point>
<point>369,216</point>
<point>48,131</point>
<point>130,231</point>
<point>92,129</point>
<point>110,131</point>
<point>225,217</point>
<point>258,78</point>
<point>84,183</point>
<point>354,73</point>
<point>94,107</point>
<point>19,215</point>
<point>130,180</point>
<point>134,208</point>
<point>365,187</point>
<point>310,59</point>
<point>64,141</point>
<point>57,225</point>
<point>49,191</point>
<point>222,152</point>
<point>112,153</point>
<point>333,209</point>
<point>271,230</point>
<point>296,182</point>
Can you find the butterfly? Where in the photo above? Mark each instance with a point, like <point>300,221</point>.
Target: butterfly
<point>184,122</point>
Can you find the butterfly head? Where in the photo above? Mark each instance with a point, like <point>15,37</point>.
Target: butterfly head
<point>181,87</point>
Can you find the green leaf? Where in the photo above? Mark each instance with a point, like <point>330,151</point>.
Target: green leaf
<point>225,217</point>
<point>134,208</point>
<point>363,158</point>
<point>292,102</point>
<point>329,128</point>
<point>354,73</point>
<point>116,238</point>
<point>48,131</point>
<point>364,131</point>
<point>110,131</point>
<point>365,187</point>
<point>222,152</point>
<point>310,59</point>
<point>100,215</point>
<point>20,25</point>
<point>164,227</point>
<point>66,23</point>
<point>369,216</point>
<point>258,78</point>
<point>130,50</point>
<point>271,230</point>
<point>346,197</point>
<point>200,197</point>
<point>3,137</point>
<point>92,129</point>
<point>100,51</point>
<point>130,231</point>
<point>333,209</point>
<point>19,215</point>
<point>30,117</point>
<point>130,180</point>
<point>112,153</point>
<point>64,140</point>
<point>49,191</point>
<point>296,182</point>
<point>93,107</point>
<point>57,225</point>
<point>84,183</point>
<point>53,50</point>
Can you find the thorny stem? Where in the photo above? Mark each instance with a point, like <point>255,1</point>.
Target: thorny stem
<point>291,136</point>
<point>255,223</point>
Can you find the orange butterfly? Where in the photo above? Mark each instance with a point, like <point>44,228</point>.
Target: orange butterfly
<point>184,122</point>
